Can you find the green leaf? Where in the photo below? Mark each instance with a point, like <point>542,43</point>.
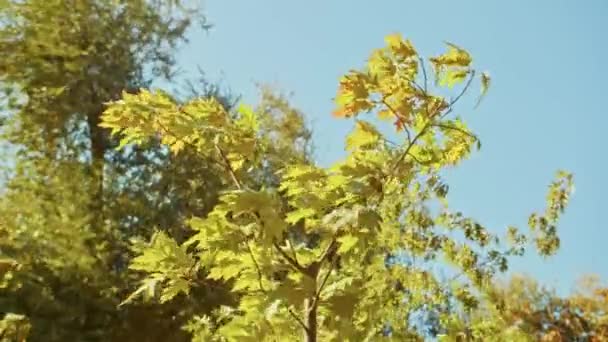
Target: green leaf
<point>173,288</point>
<point>347,242</point>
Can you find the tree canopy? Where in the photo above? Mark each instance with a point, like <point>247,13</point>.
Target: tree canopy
<point>132,213</point>
<point>324,254</point>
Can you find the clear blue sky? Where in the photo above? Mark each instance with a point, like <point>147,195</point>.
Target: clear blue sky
<point>545,109</point>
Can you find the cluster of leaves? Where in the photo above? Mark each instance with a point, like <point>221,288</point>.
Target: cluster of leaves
<point>14,328</point>
<point>318,253</point>
<point>522,310</point>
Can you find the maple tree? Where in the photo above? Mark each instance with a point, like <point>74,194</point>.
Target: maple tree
<point>322,254</point>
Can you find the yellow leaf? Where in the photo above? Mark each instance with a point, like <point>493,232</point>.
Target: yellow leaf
<point>385,114</point>
<point>364,134</point>
<point>352,95</point>
<point>347,242</point>
<point>454,57</point>
<point>402,49</point>
<point>453,77</point>
<point>380,65</point>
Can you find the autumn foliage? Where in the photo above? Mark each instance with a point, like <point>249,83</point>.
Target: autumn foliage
<point>136,214</point>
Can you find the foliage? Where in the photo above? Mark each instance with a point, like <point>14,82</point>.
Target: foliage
<point>523,310</point>
<point>71,203</point>
<point>14,328</point>
<point>75,200</point>
<point>320,254</point>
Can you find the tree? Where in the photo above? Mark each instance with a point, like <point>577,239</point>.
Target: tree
<point>343,253</point>
<point>522,310</point>
<point>60,61</point>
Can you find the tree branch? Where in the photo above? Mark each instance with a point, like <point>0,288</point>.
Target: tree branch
<point>331,246</point>
<point>409,139</point>
<point>323,282</point>
<point>457,98</point>
<point>299,320</point>
<point>423,73</point>
<point>293,251</point>
<point>229,167</point>
<point>431,120</point>
<point>409,147</point>
<point>289,259</point>
<point>457,129</point>
<point>257,267</point>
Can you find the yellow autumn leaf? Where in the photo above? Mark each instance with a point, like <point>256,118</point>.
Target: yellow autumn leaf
<point>453,77</point>
<point>380,65</point>
<point>364,134</point>
<point>385,114</point>
<point>454,57</point>
<point>402,49</point>
<point>352,95</point>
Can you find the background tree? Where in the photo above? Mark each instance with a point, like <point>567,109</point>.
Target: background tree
<point>522,310</point>
<point>320,256</point>
<point>71,202</point>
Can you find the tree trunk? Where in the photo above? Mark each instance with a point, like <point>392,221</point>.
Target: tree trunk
<point>98,149</point>
<point>310,312</point>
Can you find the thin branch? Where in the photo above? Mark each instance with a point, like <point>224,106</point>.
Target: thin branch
<point>194,147</point>
<point>423,73</point>
<point>293,251</point>
<point>389,106</point>
<point>289,259</point>
<point>257,267</point>
<point>420,161</point>
<point>323,282</point>
<point>457,129</point>
<point>229,167</point>
<point>485,263</point>
<point>430,123</point>
<point>409,147</point>
<point>390,142</point>
<point>409,138</point>
<point>408,134</point>
<point>457,98</point>
<point>299,320</point>
<point>331,246</point>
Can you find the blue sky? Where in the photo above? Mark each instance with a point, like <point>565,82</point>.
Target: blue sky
<point>544,111</point>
